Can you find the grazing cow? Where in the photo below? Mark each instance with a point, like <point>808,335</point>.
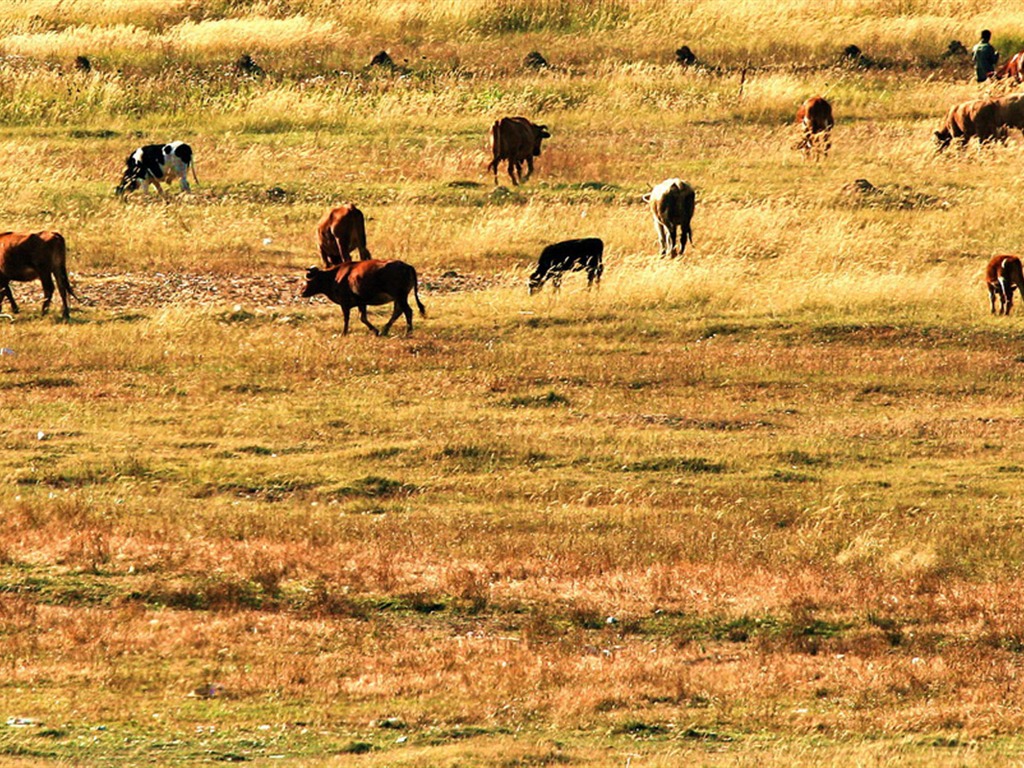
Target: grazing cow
<point>815,120</point>
<point>340,231</point>
<point>363,283</point>
<point>672,203</point>
<point>516,139</point>
<point>1002,275</point>
<point>568,256</point>
<point>156,163</point>
<point>1013,68</point>
<point>979,118</point>
<point>31,256</point>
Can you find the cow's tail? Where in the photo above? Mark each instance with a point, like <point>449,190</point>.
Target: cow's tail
<point>192,165</point>
<point>61,265</point>
<point>495,149</point>
<point>416,293</point>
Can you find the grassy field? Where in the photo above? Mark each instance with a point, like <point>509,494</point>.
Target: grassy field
<point>754,506</point>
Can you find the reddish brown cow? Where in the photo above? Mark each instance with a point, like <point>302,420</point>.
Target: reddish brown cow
<point>341,231</point>
<point>983,119</point>
<point>1013,68</point>
<point>516,139</point>
<point>34,256</point>
<point>1002,275</point>
<point>815,120</point>
<point>364,283</point>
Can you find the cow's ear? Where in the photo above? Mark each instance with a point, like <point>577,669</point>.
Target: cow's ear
<point>312,271</point>
<point>646,198</point>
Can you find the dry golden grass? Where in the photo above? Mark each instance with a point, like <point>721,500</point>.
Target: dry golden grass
<point>753,506</point>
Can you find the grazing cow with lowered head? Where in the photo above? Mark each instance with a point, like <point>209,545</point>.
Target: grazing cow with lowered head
<point>155,163</point>
<point>979,118</point>
<point>516,139</point>
<point>341,231</point>
<point>1002,275</point>
<point>34,256</point>
<point>815,120</point>
<point>568,256</point>
<point>672,203</point>
<point>364,283</point>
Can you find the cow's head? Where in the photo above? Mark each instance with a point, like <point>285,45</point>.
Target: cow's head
<point>317,281</point>
<point>129,183</point>
<point>540,132</point>
<point>537,281</point>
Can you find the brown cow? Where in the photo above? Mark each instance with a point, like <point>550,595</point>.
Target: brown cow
<point>1013,68</point>
<point>1002,275</point>
<point>516,139</point>
<point>35,256</point>
<point>980,118</point>
<point>363,283</point>
<point>815,120</point>
<point>341,231</point>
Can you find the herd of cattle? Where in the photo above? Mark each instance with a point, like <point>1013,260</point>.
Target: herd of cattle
<point>516,140</point>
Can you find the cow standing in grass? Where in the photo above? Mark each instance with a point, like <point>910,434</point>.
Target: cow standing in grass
<point>1002,275</point>
<point>672,204</point>
<point>367,283</point>
<point>341,231</point>
<point>568,256</point>
<point>155,163</point>
<point>978,118</point>
<point>516,139</point>
<point>815,120</point>
<point>35,256</point>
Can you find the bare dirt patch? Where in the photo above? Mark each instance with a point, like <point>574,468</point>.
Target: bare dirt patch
<point>157,289</point>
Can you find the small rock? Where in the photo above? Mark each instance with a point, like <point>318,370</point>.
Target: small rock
<point>534,60</point>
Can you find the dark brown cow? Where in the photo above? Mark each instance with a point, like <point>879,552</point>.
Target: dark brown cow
<point>979,118</point>
<point>516,139</point>
<point>1002,275</point>
<point>341,231</point>
<point>815,120</point>
<point>34,256</point>
<point>364,283</point>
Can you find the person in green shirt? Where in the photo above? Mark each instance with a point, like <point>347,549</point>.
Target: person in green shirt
<point>985,57</point>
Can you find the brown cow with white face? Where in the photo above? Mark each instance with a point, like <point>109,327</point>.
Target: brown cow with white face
<point>341,231</point>
<point>34,256</point>
<point>367,283</point>
<point>1002,275</point>
<point>815,120</point>
<point>516,139</point>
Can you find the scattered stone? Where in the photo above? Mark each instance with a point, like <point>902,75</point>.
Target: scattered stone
<point>685,57</point>
<point>956,49</point>
<point>534,60</point>
<point>276,195</point>
<point>852,56</point>
<point>246,65</point>
<point>900,196</point>
<point>82,64</point>
<point>382,60</point>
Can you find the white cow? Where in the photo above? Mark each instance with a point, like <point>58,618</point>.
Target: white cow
<point>672,203</point>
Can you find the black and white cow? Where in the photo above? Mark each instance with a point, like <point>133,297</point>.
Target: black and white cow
<point>568,256</point>
<point>156,163</point>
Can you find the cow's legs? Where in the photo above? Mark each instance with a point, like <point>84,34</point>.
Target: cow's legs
<point>529,168</point>
<point>47,280</point>
<point>5,290</point>
<point>826,141</point>
<point>660,229</point>
<point>991,297</point>
<point>556,281</point>
<point>1009,298</point>
<point>184,182</point>
<point>400,308</point>
<point>515,167</point>
<point>493,168</point>
<point>345,311</point>
<point>64,289</point>
<point>673,237</point>
<point>366,320</point>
